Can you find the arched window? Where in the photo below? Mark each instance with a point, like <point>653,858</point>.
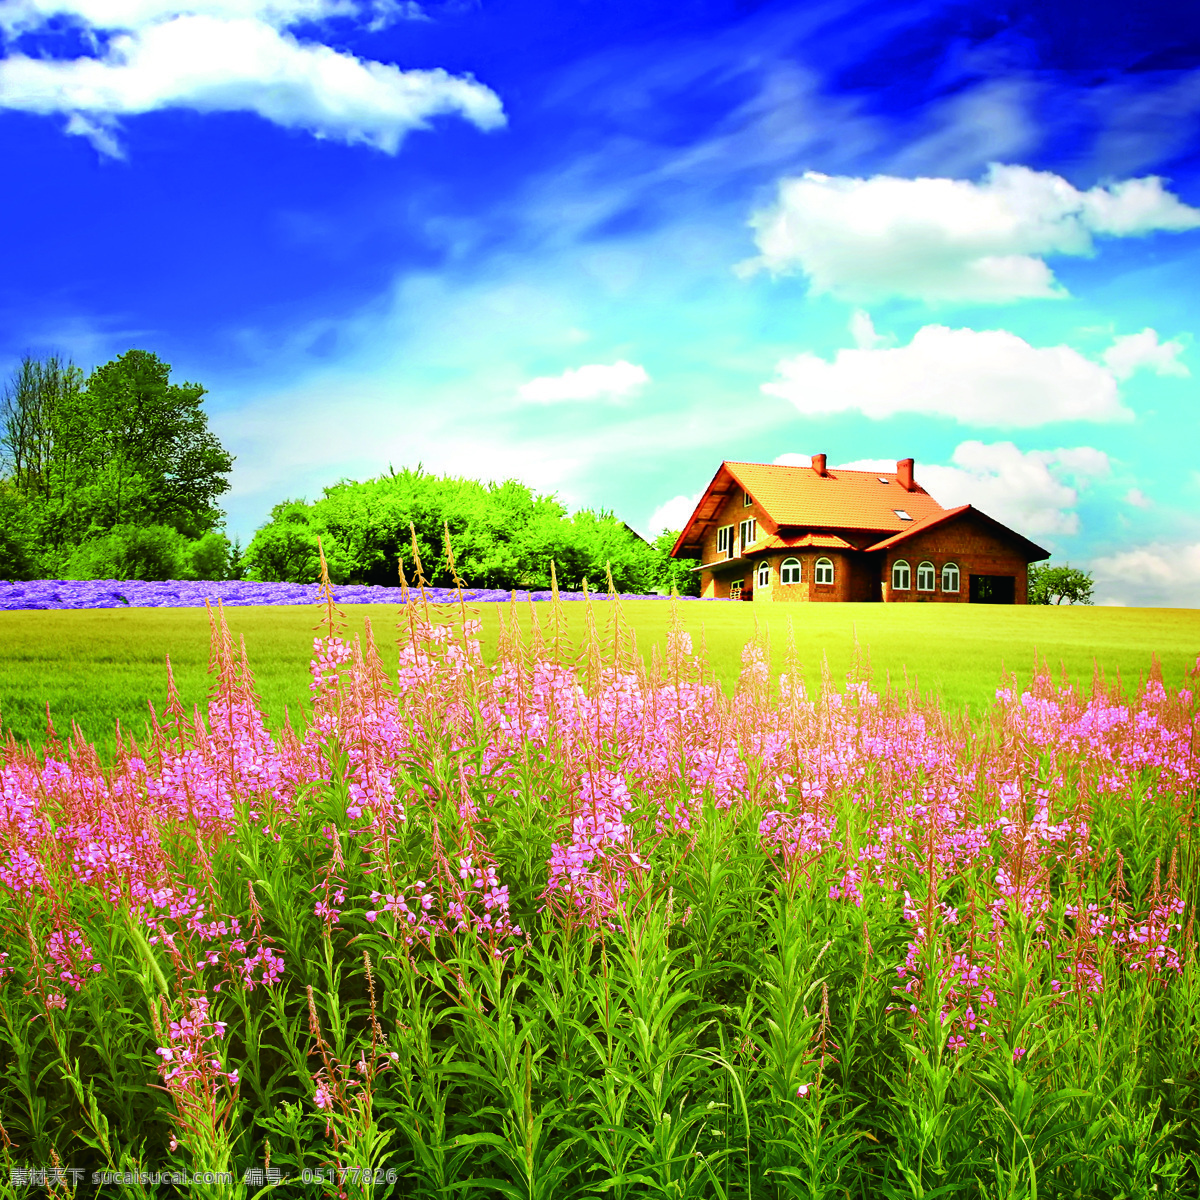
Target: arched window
<point>950,577</point>
<point>926,576</point>
<point>764,573</point>
<point>901,579</point>
<point>824,571</point>
<point>789,571</point>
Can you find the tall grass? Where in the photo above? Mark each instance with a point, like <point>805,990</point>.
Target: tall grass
<point>572,924</point>
<point>96,668</point>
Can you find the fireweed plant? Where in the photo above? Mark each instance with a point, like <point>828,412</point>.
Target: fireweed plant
<point>572,925</point>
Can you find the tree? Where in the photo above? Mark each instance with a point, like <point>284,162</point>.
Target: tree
<point>34,403</point>
<point>1055,584</point>
<point>502,535</point>
<point>142,448</point>
<point>674,573</point>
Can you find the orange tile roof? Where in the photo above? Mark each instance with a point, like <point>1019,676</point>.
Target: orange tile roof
<point>839,499</point>
<point>800,541</point>
<point>1031,550</point>
<point>799,497</point>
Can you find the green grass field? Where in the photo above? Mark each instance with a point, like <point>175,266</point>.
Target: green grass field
<point>98,667</point>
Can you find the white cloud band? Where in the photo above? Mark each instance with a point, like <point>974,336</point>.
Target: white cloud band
<point>950,239</point>
<point>976,377</point>
<point>211,64</point>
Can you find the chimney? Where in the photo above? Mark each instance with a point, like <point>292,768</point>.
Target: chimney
<point>904,474</point>
<point>818,463</point>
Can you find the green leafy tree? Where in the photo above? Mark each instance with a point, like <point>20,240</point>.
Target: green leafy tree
<point>285,549</point>
<point>674,574</point>
<point>18,550</point>
<point>150,552</point>
<point>142,450</point>
<point>93,459</point>
<point>502,535</point>
<point>1052,585</point>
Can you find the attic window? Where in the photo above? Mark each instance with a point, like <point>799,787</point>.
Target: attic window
<point>901,514</point>
<point>747,502</point>
<point>884,479</point>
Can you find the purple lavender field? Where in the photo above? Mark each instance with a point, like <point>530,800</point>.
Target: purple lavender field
<point>178,593</point>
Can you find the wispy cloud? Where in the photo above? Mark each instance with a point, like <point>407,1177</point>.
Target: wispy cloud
<point>1162,573</point>
<point>595,381</point>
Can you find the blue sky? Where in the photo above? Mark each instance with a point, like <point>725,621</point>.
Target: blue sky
<point>600,247</point>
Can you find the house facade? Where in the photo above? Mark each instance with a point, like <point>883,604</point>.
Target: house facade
<point>801,534</point>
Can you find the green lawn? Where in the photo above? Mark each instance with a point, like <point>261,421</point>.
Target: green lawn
<point>96,667</point>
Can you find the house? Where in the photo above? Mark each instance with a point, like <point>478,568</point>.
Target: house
<point>776,533</point>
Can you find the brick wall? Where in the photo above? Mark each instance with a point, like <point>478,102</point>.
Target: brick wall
<point>852,578</point>
<point>966,542</point>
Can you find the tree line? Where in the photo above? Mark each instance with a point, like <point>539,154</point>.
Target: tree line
<point>115,475</point>
<point>502,535</point>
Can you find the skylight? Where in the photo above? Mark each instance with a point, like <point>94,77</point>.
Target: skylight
<point>901,514</point>
<point>884,479</point>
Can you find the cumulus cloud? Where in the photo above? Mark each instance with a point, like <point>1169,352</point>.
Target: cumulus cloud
<point>1033,491</point>
<point>217,65</point>
<point>977,377</point>
<point>673,514</point>
<point>1132,351</point>
<point>941,239</point>
<point>1158,574</point>
<point>1138,498</point>
<point>592,382</point>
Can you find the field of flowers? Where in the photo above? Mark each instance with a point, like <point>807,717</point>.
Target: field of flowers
<point>177,593</point>
<point>569,925</point>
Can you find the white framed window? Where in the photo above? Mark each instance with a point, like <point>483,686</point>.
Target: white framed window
<point>901,576</point>
<point>725,541</point>
<point>789,571</point>
<point>823,573</point>
<point>746,501</point>
<point>735,590</point>
<point>926,576</point>
<point>950,577</point>
<point>902,514</point>
<point>764,574</point>
<point>747,532</point>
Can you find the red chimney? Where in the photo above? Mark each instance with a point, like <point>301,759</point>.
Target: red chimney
<point>818,463</point>
<point>904,474</point>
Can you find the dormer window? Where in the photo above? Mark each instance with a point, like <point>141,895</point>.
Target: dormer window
<point>901,514</point>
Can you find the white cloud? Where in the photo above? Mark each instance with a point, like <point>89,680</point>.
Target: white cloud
<point>216,65</point>
<point>673,514</point>
<point>1033,492</point>
<point>20,15</point>
<point>1158,574</point>
<point>977,377</point>
<point>942,239</point>
<point>592,382</point>
<point>1138,498</point>
<point>1132,351</point>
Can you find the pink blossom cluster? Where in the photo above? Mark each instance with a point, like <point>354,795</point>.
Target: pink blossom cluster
<point>862,799</point>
